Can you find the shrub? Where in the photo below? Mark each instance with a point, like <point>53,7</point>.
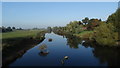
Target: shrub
<point>105,35</point>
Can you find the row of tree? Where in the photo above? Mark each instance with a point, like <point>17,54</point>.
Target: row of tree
<point>8,29</point>
<point>105,32</point>
<point>79,26</point>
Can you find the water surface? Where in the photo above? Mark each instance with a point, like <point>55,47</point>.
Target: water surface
<point>60,46</point>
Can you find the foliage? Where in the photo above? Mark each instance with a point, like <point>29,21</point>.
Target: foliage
<point>85,34</point>
<point>105,35</point>
<point>8,29</point>
<point>106,32</point>
<point>86,20</point>
<point>13,27</point>
<point>115,19</point>
<point>93,23</point>
<point>49,29</point>
<point>74,27</point>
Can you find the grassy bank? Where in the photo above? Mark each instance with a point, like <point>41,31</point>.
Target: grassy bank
<point>14,38</point>
<point>85,34</point>
<point>20,33</point>
<point>15,44</point>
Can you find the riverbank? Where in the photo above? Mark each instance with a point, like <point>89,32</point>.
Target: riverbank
<point>89,36</point>
<point>20,33</point>
<point>15,44</point>
<point>10,38</point>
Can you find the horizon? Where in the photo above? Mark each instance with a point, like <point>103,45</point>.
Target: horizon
<point>29,15</point>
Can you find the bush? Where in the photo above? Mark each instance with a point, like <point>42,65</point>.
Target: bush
<point>105,35</point>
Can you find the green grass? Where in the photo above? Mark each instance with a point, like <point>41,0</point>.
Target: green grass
<point>84,34</point>
<point>19,33</point>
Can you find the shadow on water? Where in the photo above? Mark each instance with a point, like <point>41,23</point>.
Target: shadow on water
<point>111,55</point>
<point>15,48</point>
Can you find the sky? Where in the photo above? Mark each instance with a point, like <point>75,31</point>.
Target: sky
<point>43,14</point>
<point>60,0</point>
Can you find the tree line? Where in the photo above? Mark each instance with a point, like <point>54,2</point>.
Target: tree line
<point>8,29</point>
<point>104,32</point>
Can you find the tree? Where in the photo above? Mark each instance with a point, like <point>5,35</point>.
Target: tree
<point>85,21</point>
<point>80,23</point>
<point>115,19</point>
<point>105,35</point>
<point>13,27</point>
<point>74,27</point>
<point>9,29</point>
<point>49,29</point>
<point>93,23</point>
<point>19,29</point>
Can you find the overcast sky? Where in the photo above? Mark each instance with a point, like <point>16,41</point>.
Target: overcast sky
<point>43,14</point>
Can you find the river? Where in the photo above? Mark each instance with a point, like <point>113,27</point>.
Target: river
<point>61,46</point>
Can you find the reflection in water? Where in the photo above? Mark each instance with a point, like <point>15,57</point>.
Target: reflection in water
<point>90,49</point>
<point>43,47</point>
<point>19,48</point>
<point>109,55</point>
<point>63,60</point>
<point>73,41</point>
<point>43,50</point>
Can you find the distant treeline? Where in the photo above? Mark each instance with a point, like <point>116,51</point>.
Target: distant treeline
<point>8,29</point>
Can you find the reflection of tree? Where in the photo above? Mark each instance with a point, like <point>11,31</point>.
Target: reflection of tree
<point>89,43</point>
<point>73,41</point>
<point>109,55</point>
<point>105,54</point>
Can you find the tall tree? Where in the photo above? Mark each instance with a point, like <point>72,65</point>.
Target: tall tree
<point>115,19</point>
<point>85,21</point>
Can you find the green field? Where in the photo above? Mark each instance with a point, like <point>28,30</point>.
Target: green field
<point>19,33</point>
<point>17,37</point>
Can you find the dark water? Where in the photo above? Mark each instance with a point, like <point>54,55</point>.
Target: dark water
<point>60,46</point>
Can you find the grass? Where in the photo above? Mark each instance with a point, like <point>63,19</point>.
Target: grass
<point>16,43</point>
<point>19,37</point>
<point>19,33</point>
<point>85,34</point>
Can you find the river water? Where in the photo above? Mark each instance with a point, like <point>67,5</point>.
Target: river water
<point>59,47</point>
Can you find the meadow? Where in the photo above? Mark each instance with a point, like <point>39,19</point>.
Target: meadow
<point>17,36</point>
<point>19,33</point>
